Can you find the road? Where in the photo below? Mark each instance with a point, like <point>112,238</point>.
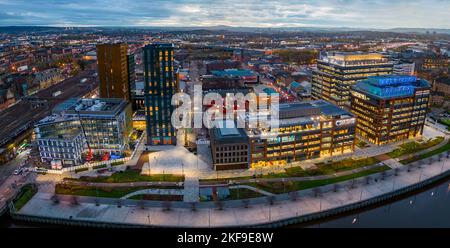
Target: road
<point>29,113</point>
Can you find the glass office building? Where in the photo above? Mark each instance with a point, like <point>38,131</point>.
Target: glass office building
<point>159,87</point>
<point>338,71</point>
<point>307,130</point>
<point>106,122</point>
<point>390,108</point>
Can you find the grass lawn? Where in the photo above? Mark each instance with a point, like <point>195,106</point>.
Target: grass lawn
<point>236,194</point>
<point>81,170</point>
<point>445,122</point>
<point>108,192</point>
<point>442,149</point>
<point>117,163</point>
<point>99,166</point>
<point>132,176</point>
<point>280,187</point>
<point>95,191</point>
<point>26,193</point>
<point>151,197</point>
<point>413,147</point>
<point>332,167</point>
<point>323,169</point>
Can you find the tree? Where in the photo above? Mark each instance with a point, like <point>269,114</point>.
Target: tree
<point>335,187</point>
<point>383,175</point>
<point>74,201</point>
<point>82,64</point>
<point>55,199</point>
<point>219,204</point>
<point>270,199</point>
<point>317,192</point>
<point>353,184</point>
<point>293,195</point>
<point>141,204</point>
<point>167,206</point>
<point>245,203</point>
<point>368,179</point>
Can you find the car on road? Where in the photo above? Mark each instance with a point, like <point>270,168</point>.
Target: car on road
<point>17,172</point>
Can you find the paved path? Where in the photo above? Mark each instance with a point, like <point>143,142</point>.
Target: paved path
<point>191,189</point>
<point>233,213</point>
<point>154,192</point>
<point>252,189</point>
<point>392,163</point>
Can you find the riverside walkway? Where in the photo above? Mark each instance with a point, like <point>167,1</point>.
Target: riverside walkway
<point>264,211</point>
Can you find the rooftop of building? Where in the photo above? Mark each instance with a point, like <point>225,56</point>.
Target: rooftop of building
<point>159,45</point>
<point>309,108</point>
<point>229,133</point>
<point>391,86</point>
<point>353,58</point>
<point>91,106</point>
<point>233,73</point>
<point>66,134</point>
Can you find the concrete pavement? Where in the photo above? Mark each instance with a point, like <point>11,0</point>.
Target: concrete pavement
<point>233,213</point>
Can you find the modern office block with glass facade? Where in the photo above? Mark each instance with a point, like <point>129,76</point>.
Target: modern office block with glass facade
<point>337,72</point>
<point>107,124</point>
<point>306,130</point>
<point>159,87</point>
<point>61,140</point>
<point>390,108</point>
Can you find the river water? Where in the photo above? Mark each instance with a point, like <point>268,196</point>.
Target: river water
<point>428,208</point>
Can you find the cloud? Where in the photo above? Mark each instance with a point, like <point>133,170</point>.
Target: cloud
<point>254,13</point>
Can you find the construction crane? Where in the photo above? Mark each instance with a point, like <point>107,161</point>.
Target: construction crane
<point>89,156</point>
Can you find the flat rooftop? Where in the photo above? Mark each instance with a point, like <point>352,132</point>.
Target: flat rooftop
<point>391,86</point>
<point>229,133</point>
<point>354,58</point>
<point>96,106</point>
<point>233,73</point>
<point>309,108</point>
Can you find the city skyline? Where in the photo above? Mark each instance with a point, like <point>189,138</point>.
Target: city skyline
<point>252,13</point>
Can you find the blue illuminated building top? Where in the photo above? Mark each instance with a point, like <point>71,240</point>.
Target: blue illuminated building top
<point>233,73</point>
<point>391,86</point>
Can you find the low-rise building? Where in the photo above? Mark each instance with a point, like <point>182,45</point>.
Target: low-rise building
<point>306,130</point>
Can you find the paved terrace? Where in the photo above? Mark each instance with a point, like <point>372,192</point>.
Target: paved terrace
<point>233,213</point>
<point>178,160</point>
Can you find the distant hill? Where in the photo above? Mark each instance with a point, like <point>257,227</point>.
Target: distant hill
<point>19,29</point>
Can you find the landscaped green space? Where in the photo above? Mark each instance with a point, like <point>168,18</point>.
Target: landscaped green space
<point>132,176</point>
<point>243,193</point>
<point>445,122</point>
<point>99,166</point>
<point>151,197</point>
<point>117,163</point>
<point>330,168</point>
<point>81,170</point>
<point>413,147</point>
<point>109,192</point>
<point>26,193</point>
<point>282,187</point>
<point>442,149</point>
<point>322,169</point>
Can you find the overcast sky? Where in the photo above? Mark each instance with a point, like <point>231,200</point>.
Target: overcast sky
<point>248,13</point>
